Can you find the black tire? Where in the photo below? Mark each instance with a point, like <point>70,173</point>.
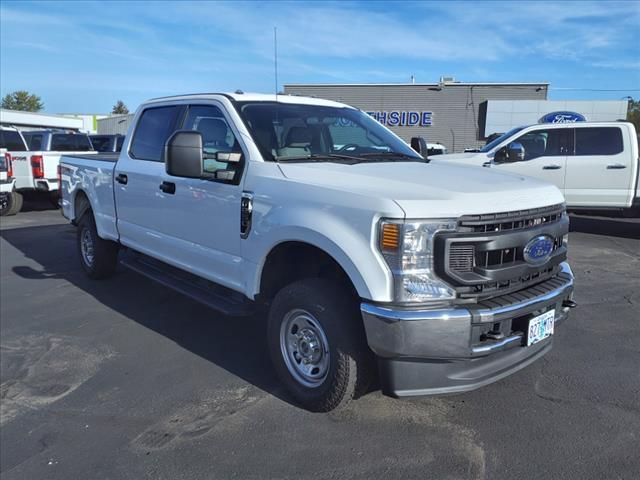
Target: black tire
<point>350,362</point>
<point>103,258</point>
<point>14,203</point>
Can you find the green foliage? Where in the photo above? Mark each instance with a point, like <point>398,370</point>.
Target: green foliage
<point>633,114</point>
<point>22,100</point>
<point>120,108</point>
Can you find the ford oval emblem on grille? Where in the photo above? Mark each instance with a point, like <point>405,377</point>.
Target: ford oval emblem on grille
<point>538,249</point>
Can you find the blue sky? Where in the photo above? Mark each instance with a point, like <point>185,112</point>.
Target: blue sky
<point>83,56</point>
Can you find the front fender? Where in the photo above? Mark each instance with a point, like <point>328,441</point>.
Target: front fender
<point>349,243</point>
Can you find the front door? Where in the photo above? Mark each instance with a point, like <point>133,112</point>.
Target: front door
<point>545,158</point>
<point>203,216</point>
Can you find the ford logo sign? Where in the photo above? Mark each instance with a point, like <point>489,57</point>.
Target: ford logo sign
<point>538,249</point>
<point>562,117</point>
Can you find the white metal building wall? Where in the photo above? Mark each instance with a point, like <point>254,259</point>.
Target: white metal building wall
<point>115,124</point>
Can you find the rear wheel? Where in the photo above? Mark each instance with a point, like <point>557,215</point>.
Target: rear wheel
<point>11,204</point>
<point>98,257</point>
<point>317,344</point>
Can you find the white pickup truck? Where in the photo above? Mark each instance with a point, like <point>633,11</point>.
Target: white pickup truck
<point>360,249</point>
<point>594,164</point>
<point>10,200</point>
<point>37,168</point>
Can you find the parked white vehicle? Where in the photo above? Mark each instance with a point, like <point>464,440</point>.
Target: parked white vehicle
<point>10,200</point>
<point>357,246</point>
<point>595,165</point>
<point>37,168</point>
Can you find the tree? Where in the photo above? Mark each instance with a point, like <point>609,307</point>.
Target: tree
<point>22,100</point>
<point>633,113</point>
<point>120,108</point>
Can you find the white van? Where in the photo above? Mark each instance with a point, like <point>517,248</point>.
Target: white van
<point>594,164</point>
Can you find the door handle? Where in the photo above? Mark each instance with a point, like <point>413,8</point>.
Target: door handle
<point>122,178</point>
<point>551,167</point>
<point>168,187</point>
<point>615,166</point>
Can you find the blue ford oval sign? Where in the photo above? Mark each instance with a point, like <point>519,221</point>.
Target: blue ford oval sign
<point>563,117</point>
<point>538,249</point>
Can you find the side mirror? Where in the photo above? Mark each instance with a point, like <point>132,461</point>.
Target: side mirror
<point>419,144</point>
<point>515,152</point>
<point>183,154</point>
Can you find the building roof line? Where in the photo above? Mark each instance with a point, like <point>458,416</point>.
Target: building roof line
<point>446,84</point>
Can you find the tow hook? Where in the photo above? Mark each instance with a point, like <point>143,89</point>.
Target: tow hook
<point>569,303</point>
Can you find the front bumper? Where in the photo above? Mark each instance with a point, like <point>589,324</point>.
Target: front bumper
<point>449,350</point>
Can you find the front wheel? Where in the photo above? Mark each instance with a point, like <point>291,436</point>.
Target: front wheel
<point>11,204</point>
<point>98,257</point>
<point>317,344</point>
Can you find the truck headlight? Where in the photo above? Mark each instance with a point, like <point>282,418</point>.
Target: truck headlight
<point>407,247</point>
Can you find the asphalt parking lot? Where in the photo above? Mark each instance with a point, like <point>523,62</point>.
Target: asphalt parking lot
<point>126,379</point>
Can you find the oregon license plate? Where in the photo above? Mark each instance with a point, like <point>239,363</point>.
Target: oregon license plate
<point>541,327</point>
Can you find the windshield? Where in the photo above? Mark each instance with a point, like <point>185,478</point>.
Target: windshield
<point>489,146</point>
<point>303,132</point>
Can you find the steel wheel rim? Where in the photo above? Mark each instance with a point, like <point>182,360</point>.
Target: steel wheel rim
<point>304,348</point>
<point>86,247</point>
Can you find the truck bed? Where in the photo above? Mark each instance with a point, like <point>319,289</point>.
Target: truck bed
<point>92,174</point>
<point>104,157</point>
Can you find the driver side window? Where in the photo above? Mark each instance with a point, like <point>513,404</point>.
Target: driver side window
<point>217,136</point>
<point>543,143</point>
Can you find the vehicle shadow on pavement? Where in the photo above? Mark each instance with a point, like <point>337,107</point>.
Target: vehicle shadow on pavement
<point>37,202</point>
<point>610,227</point>
<point>236,344</point>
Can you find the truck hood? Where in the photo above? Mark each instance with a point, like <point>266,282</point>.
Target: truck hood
<point>428,190</point>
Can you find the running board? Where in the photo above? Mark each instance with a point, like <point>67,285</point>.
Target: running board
<point>217,297</point>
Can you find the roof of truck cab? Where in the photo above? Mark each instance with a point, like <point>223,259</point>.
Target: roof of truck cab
<point>254,97</point>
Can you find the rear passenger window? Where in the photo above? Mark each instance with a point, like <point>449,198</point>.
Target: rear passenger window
<point>154,128</point>
<point>68,142</point>
<point>598,141</point>
<point>35,143</point>
<point>11,140</point>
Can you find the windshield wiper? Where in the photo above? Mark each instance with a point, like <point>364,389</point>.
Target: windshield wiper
<point>391,155</point>
<point>319,157</point>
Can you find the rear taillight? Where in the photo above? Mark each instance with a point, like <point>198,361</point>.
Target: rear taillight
<point>7,159</point>
<point>37,166</point>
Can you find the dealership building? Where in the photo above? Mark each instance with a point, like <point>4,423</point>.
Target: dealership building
<point>460,115</point>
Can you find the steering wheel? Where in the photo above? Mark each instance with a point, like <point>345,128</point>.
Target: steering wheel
<point>348,147</point>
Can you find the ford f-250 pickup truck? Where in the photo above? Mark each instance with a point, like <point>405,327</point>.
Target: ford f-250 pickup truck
<point>361,250</point>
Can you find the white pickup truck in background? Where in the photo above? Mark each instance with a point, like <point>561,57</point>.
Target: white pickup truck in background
<point>10,200</point>
<point>360,250</point>
<point>594,164</point>
<point>37,168</point>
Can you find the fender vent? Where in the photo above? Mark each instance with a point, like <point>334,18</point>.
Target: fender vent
<point>246,213</point>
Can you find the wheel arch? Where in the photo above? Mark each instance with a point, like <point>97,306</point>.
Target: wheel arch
<point>292,260</point>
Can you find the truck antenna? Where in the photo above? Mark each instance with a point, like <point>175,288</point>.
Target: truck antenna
<point>275,58</point>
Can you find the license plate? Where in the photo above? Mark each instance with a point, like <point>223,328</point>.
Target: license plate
<point>541,327</point>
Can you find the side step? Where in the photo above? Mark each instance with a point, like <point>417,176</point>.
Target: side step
<point>217,297</point>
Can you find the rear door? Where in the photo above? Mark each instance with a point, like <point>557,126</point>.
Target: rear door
<point>546,152</point>
<point>600,172</point>
<point>141,206</point>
